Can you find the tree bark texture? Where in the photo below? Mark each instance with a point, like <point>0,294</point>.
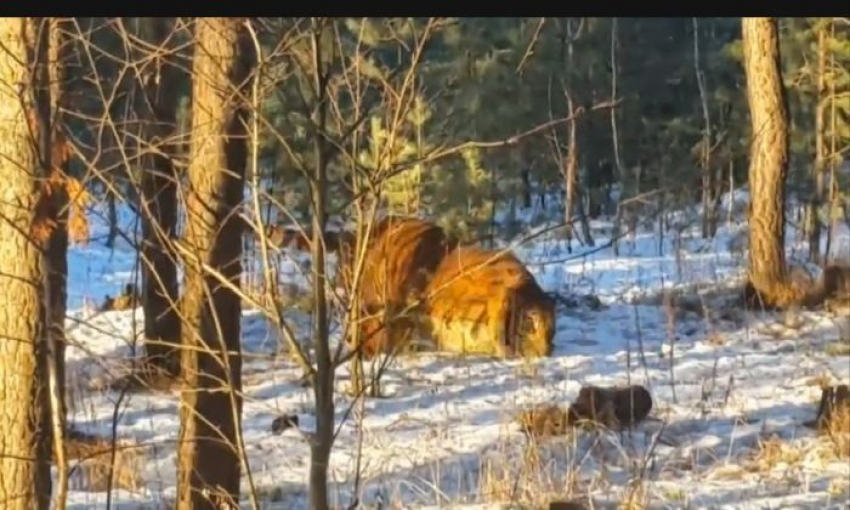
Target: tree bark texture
<point>160,294</point>
<point>768,157</point>
<point>320,450</point>
<point>25,481</point>
<point>209,460</point>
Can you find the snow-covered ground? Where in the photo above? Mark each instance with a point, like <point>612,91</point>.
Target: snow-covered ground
<point>444,434</point>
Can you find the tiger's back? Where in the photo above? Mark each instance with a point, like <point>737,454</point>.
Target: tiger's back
<point>401,256</point>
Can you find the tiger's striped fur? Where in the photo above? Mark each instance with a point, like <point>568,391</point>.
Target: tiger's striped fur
<point>486,302</point>
<point>401,256</point>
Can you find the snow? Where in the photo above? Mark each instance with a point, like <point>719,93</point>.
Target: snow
<point>443,433</point>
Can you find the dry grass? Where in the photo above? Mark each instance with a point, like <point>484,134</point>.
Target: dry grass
<point>91,462</point>
<point>544,421</point>
<point>837,432</point>
<point>821,380</point>
<point>833,418</point>
<point>536,479</point>
<point>774,453</point>
<point>531,482</point>
<point>634,498</point>
<point>549,472</point>
<point>716,339</point>
<point>838,348</point>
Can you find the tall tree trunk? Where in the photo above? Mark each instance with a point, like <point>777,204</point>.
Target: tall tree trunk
<point>159,211</point>
<point>573,195</point>
<point>768,159</point>
<point>709,186</point>
<point>25,481</point>
<point>615,140</point>
<point>833,160</point>
<point>615,71</point>
<point>209,454</point>
<point>57,249</point>
<point>819,168</point>
<point>320,449</point>
<point>570,168</point>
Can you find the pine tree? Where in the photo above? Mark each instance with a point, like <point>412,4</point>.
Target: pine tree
<point>209,460</point>
<point>24,231</point>
<point>769,158</point>
<point>158,100</point>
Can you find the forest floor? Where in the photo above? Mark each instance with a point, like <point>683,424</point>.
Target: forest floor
<point>731,391</point>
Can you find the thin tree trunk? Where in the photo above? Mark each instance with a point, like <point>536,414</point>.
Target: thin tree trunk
<point>58,246</point>
<point>615,138</point>
<point>819,168</point>
<point>571,164</point>
<point>209,452</point>
<point>731,209</point>
<point>320,449</point>
<point>112,215</point>
<point>526,186</point>
<point>833,160</point>
<point>57,250</point>
<point>494,201</point>
<point>159,212</point>
<point>573,192</point>
<point>768,158</point>
<point>352,292</point>
<point>709,187</point>
<point>570,171</point>
<point>24,432</point>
